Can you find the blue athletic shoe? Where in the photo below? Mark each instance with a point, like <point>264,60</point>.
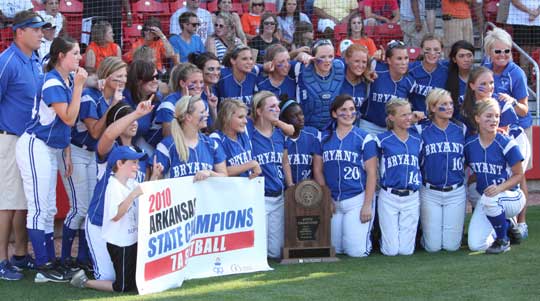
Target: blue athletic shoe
<point>7,272</point>
<point>27,263</point>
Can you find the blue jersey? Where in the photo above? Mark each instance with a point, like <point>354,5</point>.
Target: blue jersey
<point>343,162</point>
<point>425,82</point>
<point>94,106</point>
<point>268,151</point>
<point>20,86</point>
<point>237,152</point>
<point>492,164</point>
<point>104,172</point>
<point>147,127</point>
<point>46,125</point>
<point>229,87</point>
<point>287,86</point>
<point>204,156</point>
<point>300,153</point>
<point>165,111</point>
<point>442,154</point>
<point>399,160</point>
<point>358,92</point>
<point>513,82</point>
<point>381,91</point>
<point>184,48</point>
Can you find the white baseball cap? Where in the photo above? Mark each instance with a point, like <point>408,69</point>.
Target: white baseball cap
<point>50,20</point>
<point>344,45</point>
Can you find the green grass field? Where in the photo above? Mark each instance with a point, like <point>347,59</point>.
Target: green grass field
<point>460,275</point>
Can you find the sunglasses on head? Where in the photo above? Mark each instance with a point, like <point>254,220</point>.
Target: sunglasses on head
<point>499,51</point>
<point>393,44</point>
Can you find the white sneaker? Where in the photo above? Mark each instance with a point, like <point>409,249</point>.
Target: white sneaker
<point>79,279</point>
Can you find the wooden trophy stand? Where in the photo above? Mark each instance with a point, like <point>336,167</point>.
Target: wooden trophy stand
<point>307,224</point>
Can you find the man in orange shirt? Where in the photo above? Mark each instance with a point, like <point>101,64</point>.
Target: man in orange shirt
<point>457,22</point>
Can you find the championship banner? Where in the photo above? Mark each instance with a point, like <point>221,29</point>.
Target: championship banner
<point>194,230</point>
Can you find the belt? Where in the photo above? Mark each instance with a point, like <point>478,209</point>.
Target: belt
<point>447,17</point>
<point>7,133</point>
<point>273,193</point>
<point>399,192</point>
<point>443,189</point>
<point>83,146</point>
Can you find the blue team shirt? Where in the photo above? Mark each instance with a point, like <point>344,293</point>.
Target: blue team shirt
<point>268,151</point>
<point>104,172</point>
<point>442,154</point>
<point>184,48</point>
<point>228,87</point>
<point>513,82</point>
<point>381,91</point>
<point>20,88</point>
<point>287,86</point>
<point>94,106</point>
<point>147,127</point>
<point>237,152</point>
<point>399,160</point>
<point>204,156</point>
<point>343,162</point>
<point>165,111</point>
<point>358,92</point>
<point>425,82</point>
<point>300,152</point>
<point>492,164</point>
<point>46,125</point>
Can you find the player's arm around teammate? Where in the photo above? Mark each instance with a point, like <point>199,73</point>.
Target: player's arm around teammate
<point>349,159</point>
<point>490,154</point>
<point>400,179</point>
<point>443,195</point>
<point>38,147</point>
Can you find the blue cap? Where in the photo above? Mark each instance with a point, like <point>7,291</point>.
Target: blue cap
<point>34,22</point>
<point>124,153</point>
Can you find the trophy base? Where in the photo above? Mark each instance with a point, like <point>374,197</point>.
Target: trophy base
<point>308,255</point>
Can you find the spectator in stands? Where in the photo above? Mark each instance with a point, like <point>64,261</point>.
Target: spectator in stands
<point>51,9</point>
<point>525,20</point>
<point>102,45</point>
<point>110,10</point>
<point>278,80</point>
<point>153,37</point>
<point>188,41</point>
<point>9,8</point>
<point>205,19</point>
<point>355,33</point>
<point>48,36</point>
<point>224,36</point>
<point>288,18</point>
<point>331,13</point>
<point>266,36</point>
<point>238,79</point>
<point>457,22</point>
<point>431,7</point>
<point>413,21</point>
<point>381,11</point>
<point>356,82</point>
<point>252,19</point>
<point>302,38</point>
<point>226,7</point>
<point>511,86</point>
<point>19,86</point>
<point>211,68</point>
<point>461,60</point>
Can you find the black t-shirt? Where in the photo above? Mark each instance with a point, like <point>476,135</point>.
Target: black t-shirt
<point>261,45</point>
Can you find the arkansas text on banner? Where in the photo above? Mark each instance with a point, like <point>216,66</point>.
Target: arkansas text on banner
<point>194,230</point>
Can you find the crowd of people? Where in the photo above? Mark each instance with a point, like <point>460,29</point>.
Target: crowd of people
<point>400,145</point>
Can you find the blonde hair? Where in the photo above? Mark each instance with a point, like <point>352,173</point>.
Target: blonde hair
<point>484,105</point>
<point>144,53</point>
<point>433,97</point>
<point>226,110</point>
<point>110,65</point>
<point>184,106</point>
<point>181,72</point>
<point>391,109</point>
<point>259,100</point>
<point>497,34</point>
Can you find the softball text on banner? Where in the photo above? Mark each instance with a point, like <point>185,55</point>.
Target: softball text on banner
<point>194,230</point>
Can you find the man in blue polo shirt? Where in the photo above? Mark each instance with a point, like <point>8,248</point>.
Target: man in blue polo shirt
<point>20,81</point>
<point>188,41</point>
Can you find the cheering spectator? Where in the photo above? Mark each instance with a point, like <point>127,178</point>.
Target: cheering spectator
<point>51,9</point>
<point>205,18</point>
<point>381,11</point>
<point>266,36</point>
<point>102,45</point>
<point>188,41</point>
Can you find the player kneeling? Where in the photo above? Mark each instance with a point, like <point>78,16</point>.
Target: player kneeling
<point>490,155</point>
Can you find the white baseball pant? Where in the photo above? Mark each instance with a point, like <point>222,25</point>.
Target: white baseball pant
<point>103,266</point>
<point>38,166</point>
<point>442,215</point>
<point>80,185</point>
<point>349,234</point>
<point>525,148</point>
<point>481,233</point>
<point>371,127</point>
<point>275,225</point>
<point>398,220</point>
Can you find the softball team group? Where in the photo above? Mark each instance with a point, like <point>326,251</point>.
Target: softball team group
<point>394,147</point>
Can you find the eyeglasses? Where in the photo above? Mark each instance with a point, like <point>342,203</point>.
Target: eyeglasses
<point>219,25</point>
<point>499,51</point>
<point>394,43</point>
<point>195,24</point>
<point>258,4</point>
<point>269,23</point>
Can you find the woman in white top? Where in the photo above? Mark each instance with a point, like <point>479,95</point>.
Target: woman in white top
<point>224,36</point>
<point>51,8</point>
<point>288,17</point>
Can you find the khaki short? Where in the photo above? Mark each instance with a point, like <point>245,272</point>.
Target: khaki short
<point>11,184</point>
<point>528,132</point>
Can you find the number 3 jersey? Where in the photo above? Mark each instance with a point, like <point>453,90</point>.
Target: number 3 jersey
<point>492,164</point>
<point>343,162</point>
<point>398,160</point>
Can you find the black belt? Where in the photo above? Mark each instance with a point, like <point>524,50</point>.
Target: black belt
<point>273,193</point>
<point>83,146</point>
<point>399,192</point>
<point>443,189</point>
<point>447,17</point>
<point>7,133</point>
